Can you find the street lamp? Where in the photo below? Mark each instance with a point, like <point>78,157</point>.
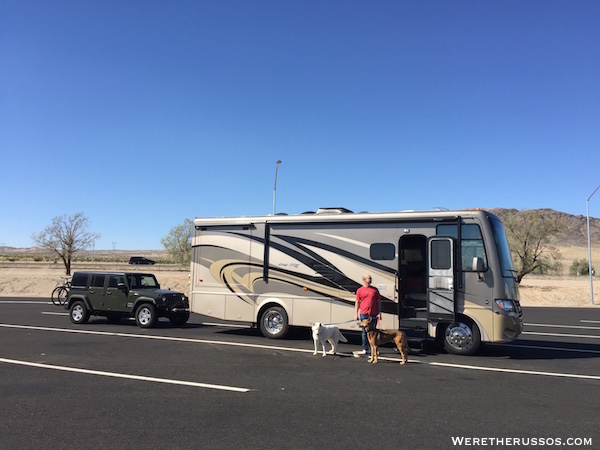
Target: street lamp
<point>587,207</point>
<point>275,187</point>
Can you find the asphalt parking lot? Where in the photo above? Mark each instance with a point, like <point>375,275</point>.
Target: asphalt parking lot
<point>216,385</point>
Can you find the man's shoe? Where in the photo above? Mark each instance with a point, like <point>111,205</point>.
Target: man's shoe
<point>360,353</point>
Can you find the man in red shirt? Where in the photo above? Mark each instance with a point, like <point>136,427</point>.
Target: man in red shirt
<point>368,304</point>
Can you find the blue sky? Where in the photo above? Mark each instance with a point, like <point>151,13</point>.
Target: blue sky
<point>142,114</point>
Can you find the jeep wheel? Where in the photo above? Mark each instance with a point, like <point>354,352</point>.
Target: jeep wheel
<point>79,313</point>
<point>145,316</point>
<point>179,319</point>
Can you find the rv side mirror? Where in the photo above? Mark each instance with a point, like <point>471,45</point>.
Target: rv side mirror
<point>477,264</point>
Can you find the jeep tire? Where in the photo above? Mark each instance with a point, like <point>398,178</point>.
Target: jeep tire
<point>145,316</point>
<point>179,318</point>
<point>78,312</point>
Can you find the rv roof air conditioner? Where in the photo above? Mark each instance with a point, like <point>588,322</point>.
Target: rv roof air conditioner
<point>334,211</point>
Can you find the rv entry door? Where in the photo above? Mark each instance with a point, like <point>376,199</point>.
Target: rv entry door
<point>440,286</point>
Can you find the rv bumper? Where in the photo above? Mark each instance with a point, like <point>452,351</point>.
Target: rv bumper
<point>510,321</point>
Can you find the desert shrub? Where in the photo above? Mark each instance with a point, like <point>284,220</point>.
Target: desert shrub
<point>580,267</point>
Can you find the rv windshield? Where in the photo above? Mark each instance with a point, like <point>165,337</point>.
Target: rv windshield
<point>502,247</point>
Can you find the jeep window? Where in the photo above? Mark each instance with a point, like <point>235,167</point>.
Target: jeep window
<point>147,281</point>
<point>114,280</point>
<point>79,280</point>
<point>97,281</point>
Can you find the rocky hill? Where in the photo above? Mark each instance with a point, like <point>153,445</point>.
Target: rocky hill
<point>576,235</point>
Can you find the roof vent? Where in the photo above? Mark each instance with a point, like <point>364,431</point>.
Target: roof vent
<point>334,211</point>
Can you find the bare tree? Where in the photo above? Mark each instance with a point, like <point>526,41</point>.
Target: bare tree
<point>178,242</point>
<point>66,236</point>
<point>530,236</point>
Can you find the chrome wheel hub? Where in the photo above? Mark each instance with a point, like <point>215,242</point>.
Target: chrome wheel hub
<point>273,322</point>
<point>459,335</point>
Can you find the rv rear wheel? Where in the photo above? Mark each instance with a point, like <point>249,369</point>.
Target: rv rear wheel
<point>462,337</point>
<point>274,322</point>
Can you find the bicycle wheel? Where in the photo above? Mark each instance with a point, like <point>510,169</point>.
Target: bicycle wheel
<point>55,295</point>
<point>59,295</point>
<point>62,295</point>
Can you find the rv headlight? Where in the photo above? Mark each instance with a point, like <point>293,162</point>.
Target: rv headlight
<point>506,305</point>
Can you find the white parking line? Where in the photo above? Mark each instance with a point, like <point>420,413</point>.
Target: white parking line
<point>587,336</point>
<point>561,326</point>
<point>20,302</point>
<point>524,372</point>
<point>298,350</point>
<point>123,375</point>
<point>542,347</point>
<point>147,336</point>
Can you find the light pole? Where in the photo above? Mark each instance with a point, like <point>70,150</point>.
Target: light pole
<point>587,207</point>
<point>275,187</point>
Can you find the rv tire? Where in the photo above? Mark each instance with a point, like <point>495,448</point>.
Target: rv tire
<point>274,322</point>
<point>461,337</point>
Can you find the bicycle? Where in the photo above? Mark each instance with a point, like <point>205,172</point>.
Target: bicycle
<point>60,293</point>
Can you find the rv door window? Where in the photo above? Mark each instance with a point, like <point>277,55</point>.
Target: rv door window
<point>441,255</point>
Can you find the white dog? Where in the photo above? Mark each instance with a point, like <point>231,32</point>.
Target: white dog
<point>327,333</point>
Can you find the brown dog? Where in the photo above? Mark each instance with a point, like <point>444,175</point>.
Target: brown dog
<point>378,337</point>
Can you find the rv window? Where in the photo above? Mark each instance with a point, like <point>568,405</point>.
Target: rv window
<point>385,252</point>
<point>502,247</point>
<point>471,245</point>
<point>441,255</point>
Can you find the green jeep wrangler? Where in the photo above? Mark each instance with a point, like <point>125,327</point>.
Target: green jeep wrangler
<point>124,294</point>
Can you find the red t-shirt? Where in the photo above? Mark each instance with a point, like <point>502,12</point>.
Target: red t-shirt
<point>368,298</point>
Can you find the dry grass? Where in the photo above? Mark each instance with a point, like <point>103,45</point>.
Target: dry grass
<point>38,280</point>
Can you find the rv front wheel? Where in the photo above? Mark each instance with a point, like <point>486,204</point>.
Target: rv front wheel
<point>274,322</point>
<point>462,338</point>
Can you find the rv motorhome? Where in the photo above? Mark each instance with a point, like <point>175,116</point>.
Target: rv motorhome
<point>444,275</point>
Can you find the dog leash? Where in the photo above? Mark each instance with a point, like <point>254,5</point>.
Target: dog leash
<point>340,323</point>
